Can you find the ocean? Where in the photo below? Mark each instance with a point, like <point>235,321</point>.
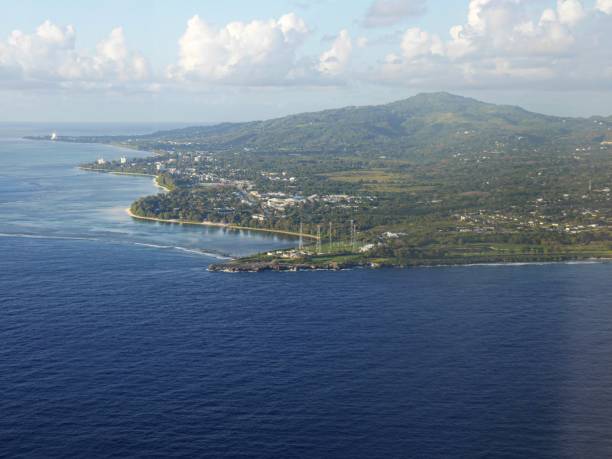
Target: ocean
<point>115,340</point>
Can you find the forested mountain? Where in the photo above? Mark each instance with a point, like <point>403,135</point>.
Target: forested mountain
<point>433,125</point>
<point>427,124</point>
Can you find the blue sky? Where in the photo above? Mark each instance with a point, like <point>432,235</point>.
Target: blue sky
<point>207,61</point>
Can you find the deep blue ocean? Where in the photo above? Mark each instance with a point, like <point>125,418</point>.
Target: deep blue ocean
<point>115,341</point>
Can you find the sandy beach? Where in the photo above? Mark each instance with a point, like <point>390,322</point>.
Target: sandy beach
<point>182,222</point>
<point>157,184</point>
<point>220,225</point>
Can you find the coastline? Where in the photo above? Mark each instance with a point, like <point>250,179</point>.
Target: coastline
<point>185,222</point>
<point>247,266</point>
<point>155,177</point>
<point>220,225</point>
<point>158,185</point>
<point>255,263</point>
<point>137,174</point>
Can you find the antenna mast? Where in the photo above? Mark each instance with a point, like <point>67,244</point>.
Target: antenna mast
<point>301,235</point>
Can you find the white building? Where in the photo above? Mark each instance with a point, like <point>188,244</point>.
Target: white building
<point>367,248</point>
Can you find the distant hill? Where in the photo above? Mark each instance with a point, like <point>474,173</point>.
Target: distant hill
<point>432,125</point>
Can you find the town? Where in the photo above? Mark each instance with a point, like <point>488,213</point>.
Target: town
<point>480,205</point>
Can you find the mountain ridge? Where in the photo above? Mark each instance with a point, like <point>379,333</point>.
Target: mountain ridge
<point>425,126</point>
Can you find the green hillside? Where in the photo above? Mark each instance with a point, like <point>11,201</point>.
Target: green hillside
<point>427,126</point>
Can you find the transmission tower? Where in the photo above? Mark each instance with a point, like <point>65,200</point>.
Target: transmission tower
<point>301,237</point>
<point>318,239</point>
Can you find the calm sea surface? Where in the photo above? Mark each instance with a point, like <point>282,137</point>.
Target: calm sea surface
<point>116,342</point>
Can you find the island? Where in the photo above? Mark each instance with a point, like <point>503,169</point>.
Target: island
<point>436,179</point>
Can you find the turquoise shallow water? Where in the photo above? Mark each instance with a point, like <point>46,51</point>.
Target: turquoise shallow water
<point>116,344</point>
<point>44,194</point>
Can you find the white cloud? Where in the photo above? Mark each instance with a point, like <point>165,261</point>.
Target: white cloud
<point>114,58</point>
<point>252,53</point>
<point>49,57</point>
<point>334,61</point>
<point>389,12</point>
<point>501,43</point>
<point>604,6</point>
<point>505,43</point>
<point>475,10</point>
<point>506,27</point>
<point>418,43</point>
<point>570,12</point>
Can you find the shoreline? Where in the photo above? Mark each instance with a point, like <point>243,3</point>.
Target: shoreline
<point>219,225</point>
<point>185,222</point>
<point>136,174</point>
<point>158,185</point>
<point>240,266</point>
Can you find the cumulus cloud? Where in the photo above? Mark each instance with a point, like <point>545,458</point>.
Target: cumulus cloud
<point>334,61</point>
<point>418,43</point>
<point>384,13</point>
<point>500,43</point>
<point>605,6</point>
<point>570,12</point>
<point>254,53</point>
<point>49,57</point>
<point>503,43</point>
<point>113,56</point>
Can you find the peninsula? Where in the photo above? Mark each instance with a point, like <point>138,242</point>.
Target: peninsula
<point>434,179</point>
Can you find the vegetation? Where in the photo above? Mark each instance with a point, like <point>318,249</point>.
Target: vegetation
<point>425,127</point>
<point>429,180</point>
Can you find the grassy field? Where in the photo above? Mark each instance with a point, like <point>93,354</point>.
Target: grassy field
<point>380,180</point>
<point>343,255</point>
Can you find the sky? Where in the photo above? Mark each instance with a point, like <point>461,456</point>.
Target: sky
<point>235,60</point>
